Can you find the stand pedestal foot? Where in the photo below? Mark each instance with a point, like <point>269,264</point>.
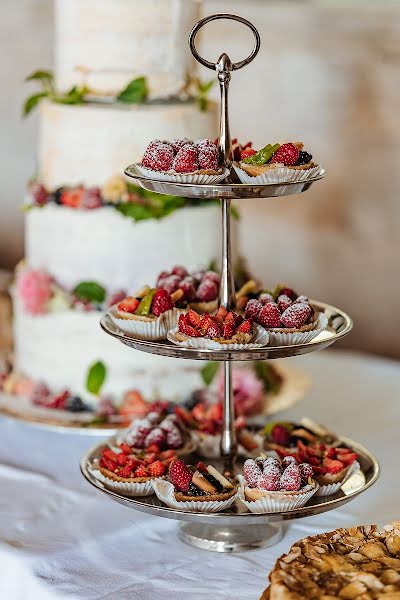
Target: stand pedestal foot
<point>228,538</point>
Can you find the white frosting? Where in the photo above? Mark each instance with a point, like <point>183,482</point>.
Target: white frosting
<point>87,144</point>
<point>102,245</point>
<point>106,43</point>
<point>58,348</point>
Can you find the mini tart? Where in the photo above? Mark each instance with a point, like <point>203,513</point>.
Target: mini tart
<point>302,329</point>
<point>115,477</point>
<point>288,336</point>
<point>261,501</point>
<point>219,497</point>
<point>255,170</point>
<point>145,327</point>
<point>201,176</point>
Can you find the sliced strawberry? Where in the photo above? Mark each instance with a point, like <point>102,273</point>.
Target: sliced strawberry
<point>193,318</point>
<point>167,454</point>
<point>153,449</point>
<point>333,466</point>
<point>184,415</point>
<point>215,411</point>
<point>228,330</point>
<point>221,313</point>
<point>347,458</point>
<point>319,470</point>
<point>108,464</point>
<point>331,453</point>
<point>201,467</point>
<point>230,318</point>
<point>247,152</point>
<point>109,454</point>
<point>125,448</point>
<point>129,305</point>
<point>122,459</point>
<point>245,327</point>
<point>206,321</point>
<point>150,458</point>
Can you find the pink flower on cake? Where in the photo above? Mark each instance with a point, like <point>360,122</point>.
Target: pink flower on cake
<point>248,391</point>
<point>34,287</point>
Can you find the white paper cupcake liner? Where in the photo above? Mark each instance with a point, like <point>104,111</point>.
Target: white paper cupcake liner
<point>164,491</point>
<point>155,329</point>
<point>260,338</point>
<point>279,338</point>
<point>125,488</point>
<point>278,175</point>
<point>277,501</point>
<point>332,488</point>
<point>199,178</point>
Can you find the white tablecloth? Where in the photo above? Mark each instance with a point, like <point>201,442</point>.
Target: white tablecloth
<point>56,529</point>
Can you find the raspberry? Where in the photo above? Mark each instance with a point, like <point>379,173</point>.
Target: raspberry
<point>174,438</point>
<point>208,158</point>
<point>285,291</point>
<point>180,475</point>
<point>213,331</point>
<point>158,156</point>
<point>296,315</point>
<point>245,327</point>
<point>290,480</point>
<point>283,302</point>
<point>137,434</point>
<point>304,158</point>
<point>126,472</point>
<point>180,271</point>
<point>270,477</point>
<point>270,315</point>
<point>302,299</point>
<point>178,144</point>
<point>161,302</point>
<point>91,199</point>
<point>204,143</point>
<point>288,154</point>
<point>251,472</point>
<point>253,308</point>
<point>157,469</point>
<point>141,471</point>
<point>186,160</point>
<point>287,460</point>
<point>157,436</point>
<point>280,435</point>
<point>171,283</point>
<point>212,276</point>
<point>39,193</point>
<point>189,291</point>
<point>266,297</point>
<point>207,291</point>
<point>306,471</point>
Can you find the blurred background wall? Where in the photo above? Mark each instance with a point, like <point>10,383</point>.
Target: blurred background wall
<point>328,74</point>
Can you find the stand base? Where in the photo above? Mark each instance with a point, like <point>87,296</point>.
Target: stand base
<point>230,539</point>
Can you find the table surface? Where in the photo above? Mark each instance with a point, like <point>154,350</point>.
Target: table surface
<point>57,530</point>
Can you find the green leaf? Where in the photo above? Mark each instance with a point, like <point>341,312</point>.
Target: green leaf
<point>96,377</point>
<point>76,95</point>
<point>205,86</point>
<point>209,371</point>
<point>31,102</point>
<point>157,208</point>
<point>135,92</point>
<point>90,291</point>
<point>202,103</point>
<point>46,77</point>
<point>268,375</point>
<point>235,212</point>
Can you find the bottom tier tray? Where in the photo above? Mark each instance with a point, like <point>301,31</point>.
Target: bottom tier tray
<point>236,529</point>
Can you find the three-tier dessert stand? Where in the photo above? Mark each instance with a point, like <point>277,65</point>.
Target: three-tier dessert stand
<point>235,529</point>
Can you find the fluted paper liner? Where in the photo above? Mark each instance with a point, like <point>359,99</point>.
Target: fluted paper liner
<point>279,338</point>
<point>165,492</point>
<point>279,501</point>
<point>153,329</point>
<point>197,178</point>
<point>125,488</point>
<point>277,175</point>
<point>260,339</point>
<point>332,488</point>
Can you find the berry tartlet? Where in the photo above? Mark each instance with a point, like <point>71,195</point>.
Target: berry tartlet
<point>199,489</point>
<point>276,163</point>
<point>332,461</point>
<point>288,317</point>
<point>148,315</point>
<point>224,330</point>
<point>275,485</point>
<point>200,288</point>
<point>182,161</point>
<point>122,471</point>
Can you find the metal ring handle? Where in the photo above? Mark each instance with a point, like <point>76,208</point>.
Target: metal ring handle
<point>207,63</point>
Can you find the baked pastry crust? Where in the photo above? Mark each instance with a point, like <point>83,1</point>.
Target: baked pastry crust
<point>115,477</point>
<point>255,170</point>
<point>359,562</point>
<point>302,329</point>
<point>181,497</point>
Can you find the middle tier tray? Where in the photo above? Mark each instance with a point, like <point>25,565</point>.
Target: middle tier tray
<point>339,325</point>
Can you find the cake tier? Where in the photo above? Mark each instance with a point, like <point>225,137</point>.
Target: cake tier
<point>104,44</point>
<point>87,144</point>
<point>104,246</point>
<point>58,349</point>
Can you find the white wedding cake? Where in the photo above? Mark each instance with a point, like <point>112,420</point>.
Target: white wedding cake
<point>83,227</point>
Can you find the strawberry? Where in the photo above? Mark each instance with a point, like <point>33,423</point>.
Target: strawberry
<point>141,471</point>
<point>129,304</point>
<point>150,458</point>
<point>157,469</point>
<point>162,302</point>
<point>333,466</point>
<point>205,323</point>
<point>193,318</point>
<point>283,302</point>
<point>247,152</point>
<point>288,154</point>
<point>109,454</point>
<point>167,454</point>
<point>213,331</point>
<point>125,448</point>
<point>280,435</point>
<point>215,411</point>
<point>153,448</point>
<point>187,329</point>
<point>180,475</point>
<point>228,330</point>
<point>122,459</point>
<point>270,315</point>
<point>253,308</point>
<point>207,290</point>
<point>72,198</point>
<point>245,327</point>
<point>108,464</point>
<point>186,160</point>
<point>290,480</point>
<point>331,453</point>
<point>201,467</point>
<point>296,315</point>
<point>221,314</point>
<point>306,471</point>
<point>126,472</point>
<point>184,415</point>
<point>347,458</point>
<point>230,318</point>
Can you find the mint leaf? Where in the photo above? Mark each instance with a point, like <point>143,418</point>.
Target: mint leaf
<point>135,92</point>
<point>205,86</point>
<point>209,371</point>
<point>31,102</point>
<point>96,377</point>
<point>203,89</point>
<point>46,77</point>
<point>157,208</point>
<point>76,95</point>
<point>90,291</point>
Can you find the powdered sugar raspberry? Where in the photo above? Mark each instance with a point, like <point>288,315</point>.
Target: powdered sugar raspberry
<point>186,160</point>
<point>251,472</point>
<point>296,315</point>
<point>158,156</point>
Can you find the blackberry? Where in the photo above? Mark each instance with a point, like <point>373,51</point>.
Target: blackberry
<point>195,491</point>
<point>213,481</point>
<point>76,404</point>
<point>56,195</point>
<point>304,158</point>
